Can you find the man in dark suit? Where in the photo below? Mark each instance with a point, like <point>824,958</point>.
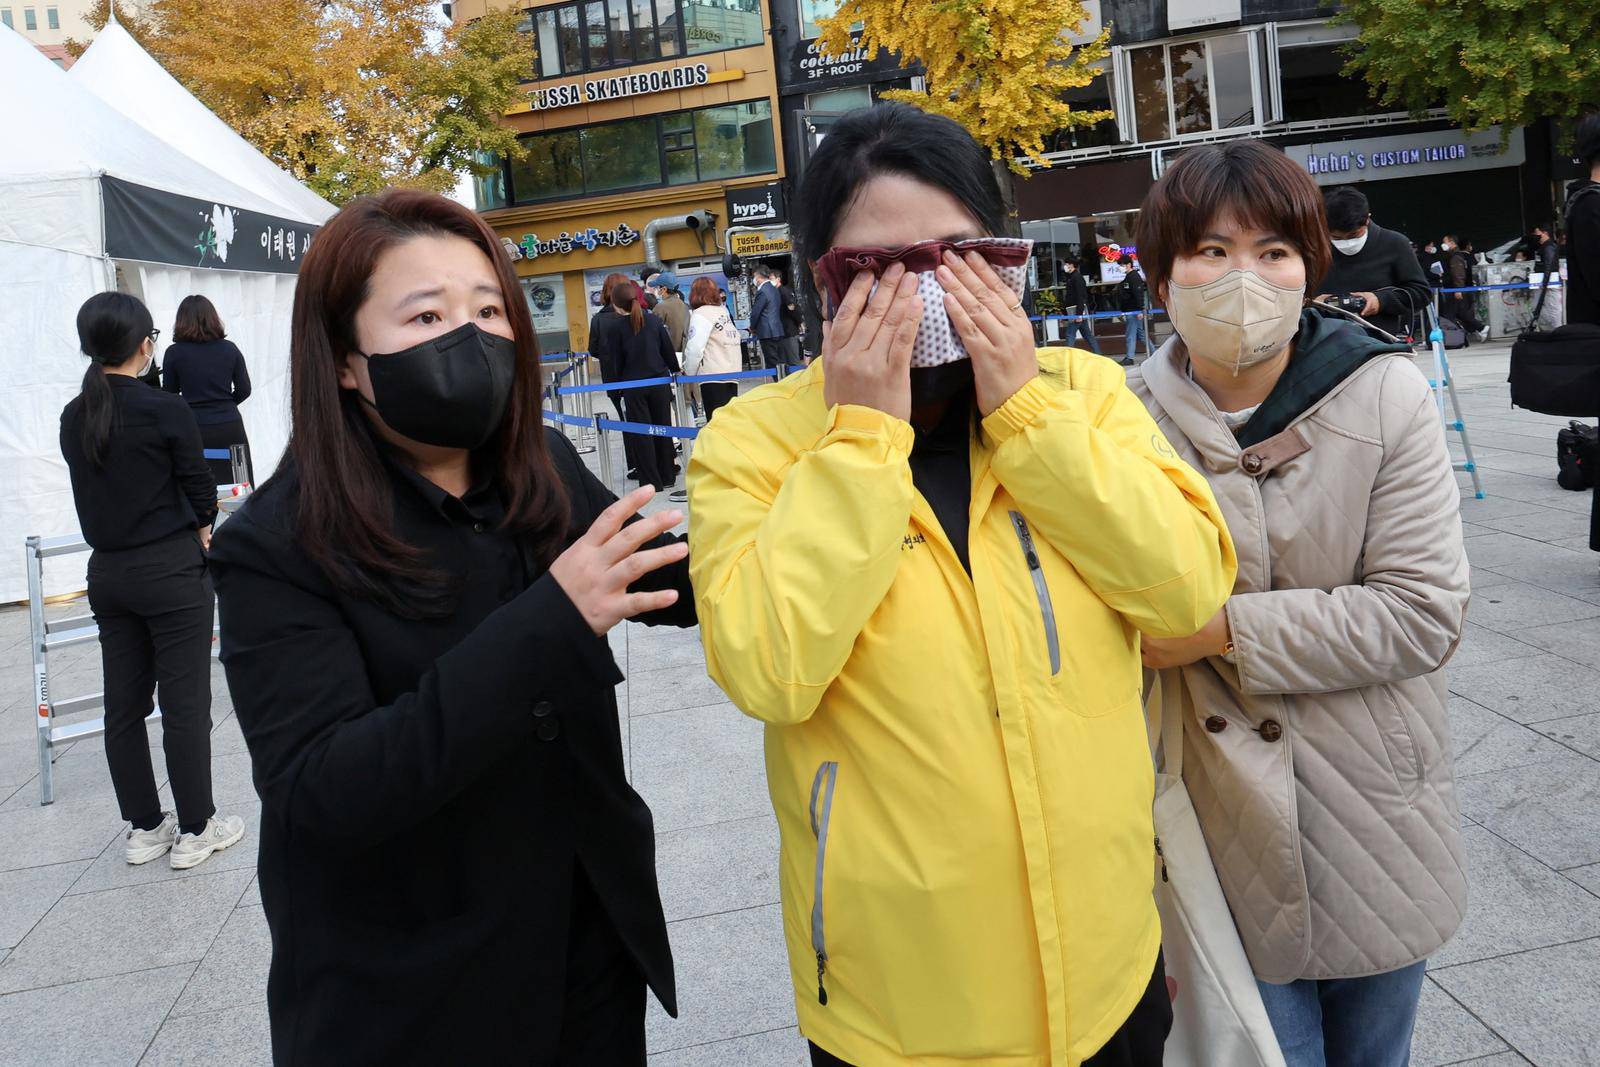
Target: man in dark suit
<point>768,325</point>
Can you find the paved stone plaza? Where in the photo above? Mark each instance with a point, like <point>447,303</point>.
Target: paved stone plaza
<point>101,963</point>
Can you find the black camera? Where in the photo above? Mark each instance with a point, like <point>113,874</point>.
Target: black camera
<point>1355,305</point>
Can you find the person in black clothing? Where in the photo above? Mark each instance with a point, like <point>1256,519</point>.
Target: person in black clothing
<point>636,344</point>
<point>1372,263</point>
<point>1132,297</point>
<point>605,345</point>
<point>146,501</point>
<point>414,610</point>
<point>207,370</point>
<point>1462,307</point>
<point>1583,233</point>
<point>1548,301</point>
<point>1078,303</point>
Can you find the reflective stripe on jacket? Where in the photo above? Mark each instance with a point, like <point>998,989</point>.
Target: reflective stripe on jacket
<point>958,765</point>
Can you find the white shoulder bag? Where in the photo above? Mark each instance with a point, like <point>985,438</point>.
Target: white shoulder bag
<point>1217,1017</point>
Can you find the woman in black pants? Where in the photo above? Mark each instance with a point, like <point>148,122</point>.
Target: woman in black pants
<point>208,371</point>
<point>414,610</point>
<point>145,501</point>
<point>635,345</point>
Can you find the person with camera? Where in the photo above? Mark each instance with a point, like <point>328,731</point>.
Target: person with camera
<point>1374,273</point>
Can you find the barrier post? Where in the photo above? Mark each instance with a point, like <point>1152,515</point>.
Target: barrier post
<point>241,464</point>
<point>41,683</point>
<point>603,443</point>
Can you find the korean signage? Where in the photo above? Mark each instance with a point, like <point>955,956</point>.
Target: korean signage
<point>811,68</point>
<point>1406,155</point>
<point>161,227</point>
<point>756,203</point>
<point>1193,14</point>
<point>769,242</point>
<point>563,243</point>
<point>599,90</point>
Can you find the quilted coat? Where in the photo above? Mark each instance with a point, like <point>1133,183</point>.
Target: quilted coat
<point>958,764</point>
<point>1317,754</point>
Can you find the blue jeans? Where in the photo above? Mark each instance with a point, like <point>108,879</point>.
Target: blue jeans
<point>1084,328</point>
<point>1133,324</point>
<point>1346,1022</point>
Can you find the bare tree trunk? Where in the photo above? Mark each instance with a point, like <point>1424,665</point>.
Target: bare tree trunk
<point>1011,225</point>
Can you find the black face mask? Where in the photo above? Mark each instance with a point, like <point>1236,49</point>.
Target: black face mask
<point>449,391</point>
<point>938,385</point>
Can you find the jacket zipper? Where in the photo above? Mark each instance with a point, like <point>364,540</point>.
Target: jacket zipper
<point>1051,639</point>
<point>821,787</point>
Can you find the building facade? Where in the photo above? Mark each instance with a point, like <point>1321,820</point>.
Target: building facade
<point>1190,72</point>
<point>644,121</point>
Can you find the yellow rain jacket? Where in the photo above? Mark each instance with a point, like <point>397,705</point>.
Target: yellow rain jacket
<point>958,765</point>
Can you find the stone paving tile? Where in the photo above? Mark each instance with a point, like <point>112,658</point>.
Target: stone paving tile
<point>1517,605</point>
<point>672,688</point>
<point>1490,507</point>
<point>234,971</point>
<point>775,1048</point>
<point>1480,645</point>
<point>1570,572</point>
<point>26,895</point>
<point>1578,641</point>
<point>1447,1033</point>
<point>32,836</point>
<point>232,787</point>
<point>19,760</point>
<point>1549,810</point>
<point>1588,877</point>
<point>82,775</point>
<point>107,1021</point>
<point>1580,732</point>
<point>654,647</point>
<point>1547,524</point>
<point>1529,690</point>
<point>699,766</point>
<point>1483,741</point>
<point>121,930</point>
<point>1545,1003</point>
<point>237,1037</point>
<point>252,894</point>
<point>733,980</point>
<point>1515,903</point>
<point>111,870</point>
<point>722,867</point>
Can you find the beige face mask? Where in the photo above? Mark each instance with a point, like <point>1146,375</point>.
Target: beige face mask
<point>1237,321</point>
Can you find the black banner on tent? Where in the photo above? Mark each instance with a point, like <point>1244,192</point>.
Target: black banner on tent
<point>160,227</point>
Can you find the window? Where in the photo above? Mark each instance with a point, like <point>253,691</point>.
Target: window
<point>812,12</point>
<point>30,21</point>
<point>1096,96</point>
<point>1315,88</point>
<point>489,190</point>
<point>52,18</point>
<point>5,17</point>
<point>600,34</point>
<point>838,101</point>
<point>725,141</point>
<point>1191,87</point>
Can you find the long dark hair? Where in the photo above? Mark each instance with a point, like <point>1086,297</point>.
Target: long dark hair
<point>891,139</point>
<point>111,327</point>
<point>345,518</point>
<point>623,293</point>
<point>198,321</point>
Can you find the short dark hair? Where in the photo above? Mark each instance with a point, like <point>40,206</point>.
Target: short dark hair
<point>1587,137</point>
<point>1259,185</point>
<point>198,321</point>
<point>1347,208</point>
<point>891,139</point>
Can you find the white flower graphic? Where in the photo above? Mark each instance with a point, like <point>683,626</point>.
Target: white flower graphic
<point>222,229</point>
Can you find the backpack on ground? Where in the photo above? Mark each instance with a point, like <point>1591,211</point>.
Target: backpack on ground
<point>1557,372</point>
<point>1577,456</point>
<point>1455,334</point>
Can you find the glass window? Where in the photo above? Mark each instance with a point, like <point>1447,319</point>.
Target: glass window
<point>52,18</point>
<point>553,167</point>
<point>668,25</point>
<point>570,35</point>
<point>548,43</point>
<point>5,17</point>
<point>645,46</point>
<point>29,19</point>
<point>712,25</point>
<point>1096,96</point>
<point>489,191</point>
<point>813,12</point>
<point>734,140</point>
<point>1231,82</point>
<point>621,155</point>
<point>617,22</point>
<point>850,98</point>
<point>1314,88</point>
<point>596,38</point>
<point>1191,87</point>
<point>1152,121</point>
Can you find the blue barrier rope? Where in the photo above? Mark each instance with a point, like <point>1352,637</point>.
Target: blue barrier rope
<point>1097,315</point>
<point>216,453</point>
<point>642,429</point>
<point>569,390</point>
<point>1554,284</point>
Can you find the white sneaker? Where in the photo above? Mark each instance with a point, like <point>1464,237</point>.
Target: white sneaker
<point>147,845</point>
<point>191,850</point>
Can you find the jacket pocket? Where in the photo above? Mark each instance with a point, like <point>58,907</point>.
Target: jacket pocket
<point>1399,743</point>
<point>1041,589</point>
<point>821,816</point>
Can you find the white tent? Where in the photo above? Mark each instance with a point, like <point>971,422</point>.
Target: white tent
<point>91,201</point>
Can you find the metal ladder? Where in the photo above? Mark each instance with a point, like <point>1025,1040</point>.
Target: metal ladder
<point>1443,384</point>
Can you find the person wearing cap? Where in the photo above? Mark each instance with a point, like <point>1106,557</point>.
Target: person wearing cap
<point>670,307</point>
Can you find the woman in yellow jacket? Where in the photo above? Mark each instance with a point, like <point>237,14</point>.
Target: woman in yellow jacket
<point>930,584</point>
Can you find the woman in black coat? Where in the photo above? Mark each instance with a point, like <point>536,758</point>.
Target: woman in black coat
<point>632,344</point>
<point>414,610</point>
<point>208,371</point>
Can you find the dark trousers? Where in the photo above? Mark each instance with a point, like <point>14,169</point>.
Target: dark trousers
<point>154,607</point>
<point>716,394</point>
<point>1139,1043</point>
<point>226,435</point>
<point>602,1019</point>
<point>654,457</point>
<point>780,352</point>
<point>1460,306</point>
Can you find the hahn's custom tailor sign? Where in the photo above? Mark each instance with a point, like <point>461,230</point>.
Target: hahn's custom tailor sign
<point>1406,155</point>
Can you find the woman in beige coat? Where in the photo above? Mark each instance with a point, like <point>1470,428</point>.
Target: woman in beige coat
<point>1316,744</point>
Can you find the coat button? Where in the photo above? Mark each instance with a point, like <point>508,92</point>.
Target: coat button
<point>549,729</point>
<point>542,709</point>
<point>1251,463</point>
<point>1270,731</point>
<point>477,527</point>
<point>1216,724</point>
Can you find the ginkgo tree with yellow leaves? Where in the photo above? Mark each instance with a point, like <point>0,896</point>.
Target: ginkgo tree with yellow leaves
<point>349,96</point>
<point>998,67</point>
